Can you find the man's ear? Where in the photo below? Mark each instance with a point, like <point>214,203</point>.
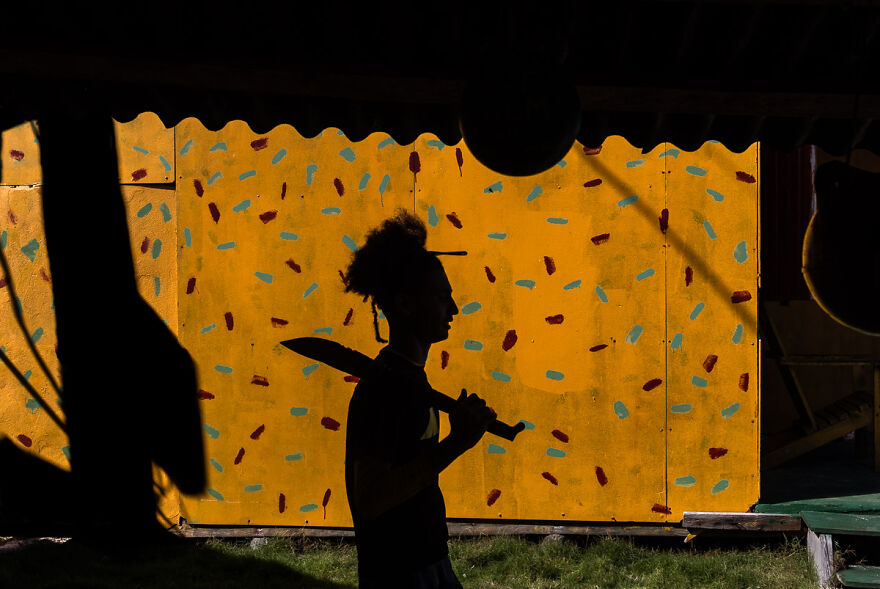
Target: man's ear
<point>402,304</point>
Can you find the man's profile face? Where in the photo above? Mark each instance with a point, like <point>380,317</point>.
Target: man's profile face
<point>433,308</point>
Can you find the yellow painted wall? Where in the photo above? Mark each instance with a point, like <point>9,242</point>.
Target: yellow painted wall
<point>265,224</point>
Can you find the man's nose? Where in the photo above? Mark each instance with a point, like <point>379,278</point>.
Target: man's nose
<point>454,307</point>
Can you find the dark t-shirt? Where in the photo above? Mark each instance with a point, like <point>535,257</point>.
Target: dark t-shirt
<point>399,514</point>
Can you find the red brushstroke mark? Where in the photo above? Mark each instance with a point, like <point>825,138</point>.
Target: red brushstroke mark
<point>740,296</point>
<point>489,274</point>
<point>229,322</point>
<point>709,362</point>
<point>283,190</point>
<point>205,395</point>
<point>509,340</point>
<point>268,216</point>
<point>293,265</point>
<point>745,177</point>
<point>599,347</point>
<point>239,456</point>
<point>664,220</point>
<point>261,143</point>
<point>145,245</point>
<point>550,265</point>
<point>12,217</point>
<point>592,150</point>
<point>190,285</point>
<point>258,432</point>
<point>215,212</point>
<point>652,384</point>
<point>592,183</point>
<point>453,218</point>
<point>459,159</point>
<point>717,452</point>
<point>601,238</point>
<point>25,441</point>
<point>444,359</point>
<point>688,276</point>
<point>138,175</point>
<point>744,382</point>
<point>560,435</point>
<point>555,319</point>
<point>343,278</point>
<point>16,155</point>
<point>340,189</point>
<point>200,190</point>
<point>349,378</point>
<point>279,322</point>
<point>44,275</point>
<point>600,476</point>
<point>661,509</point>
<point>415,165</point>
<point>260,380</point>
<point>550,477</point>
<point>330,423</point>
<point>348,317</point>
<point>3,282</point>
<point>282,503</point>
<point>493,496</point>
<point>325,501</point>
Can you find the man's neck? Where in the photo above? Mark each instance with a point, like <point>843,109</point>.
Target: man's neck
<point>409,348</point>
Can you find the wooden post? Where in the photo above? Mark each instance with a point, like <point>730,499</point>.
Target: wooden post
<point>822,555</point>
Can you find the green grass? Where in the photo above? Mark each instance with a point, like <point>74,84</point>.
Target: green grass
<point>483,562</point>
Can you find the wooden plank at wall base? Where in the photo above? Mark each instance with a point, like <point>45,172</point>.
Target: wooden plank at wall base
<point>821,553</point>
<point>756,522</point>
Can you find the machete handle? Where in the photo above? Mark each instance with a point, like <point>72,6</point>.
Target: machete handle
<point>446,404</point>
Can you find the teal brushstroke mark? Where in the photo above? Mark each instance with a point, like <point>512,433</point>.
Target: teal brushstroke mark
<point>187,237</point>
<point>381,314</point>
<point>737,334</point>
<point>670,152</point>
<point>26,376</point>
<point>140,150</point>
<point>471,308</point>
<point>688,481</point>
<point>501,377</point>
<point>310,289</point>
<point>695,170</point>
<point>712,141</point>
<point>634,334</point>
<point>331,211</point>
<point>340,132</point>
<point>165,163</point>
<point>697,310</point>
<point>561,163</point>
<point>699,382</point>
<point>676,341</point>
<point>384,184</point>
<point>646,274</point>
<point>156,250</point>
<point>497,187</point>
<point>248,174</point>
<point>214,177</point>
<point>66,451</point>
<point>166,212</point>
<point>715,194</point>
<point>528,424</point>
<point>386,142</point>
<point>620,410</point>
<point>364,180</point>
<point>682,408</point>
<point>157,286</point>
<point>226,246</point>
<point>215,494</point>
<point>267,278</point>
<point>299,411</point>
<point>30,249</point>
<point>279,156</point>
<point>472,344</point>
<point>310,369</point>
<point>253,488</point>
<point>348,154</point>
<point>216,465</point>
<point>186,147</point>
<point>529,284</point>
<point>571,285</point>
<point>555,453</point>
<point>20,307</point>
<point>223,369</point>
<point>535,193</point>
<point>287,236</point>
<point>212,432</point>
<point>145,210</point>
<point>53,304</point>
<point>728,411</point>
<point>740,253</point>
<point>720,486</point>
<point>292,457</point>
<point>242,206</point>
<point>497,236</point>
<point>219,146</point>
<point>37,334</point>
<point>308,507</point>
<point>33,405</point>
<point>554,375</point>
<point>208,328</point>
<point>557,220</point>
<point>709,231</point>
<point>627,201</point>
<point>634,163</point>
<point>600,292</point>
<point>3,237</point>
<point>433,219</point>
<point>327,330</point>
<point>436,143</point>
<point>496,449</point>
<point>310,173</point>
<point>348,241</point>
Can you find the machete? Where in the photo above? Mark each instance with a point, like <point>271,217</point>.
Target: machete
<point>360,365</point>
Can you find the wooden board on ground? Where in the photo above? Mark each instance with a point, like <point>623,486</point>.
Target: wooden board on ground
<point>860,576</point>
<point>851,524</point>
<point>852,504</point>
<point>755,522</point>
